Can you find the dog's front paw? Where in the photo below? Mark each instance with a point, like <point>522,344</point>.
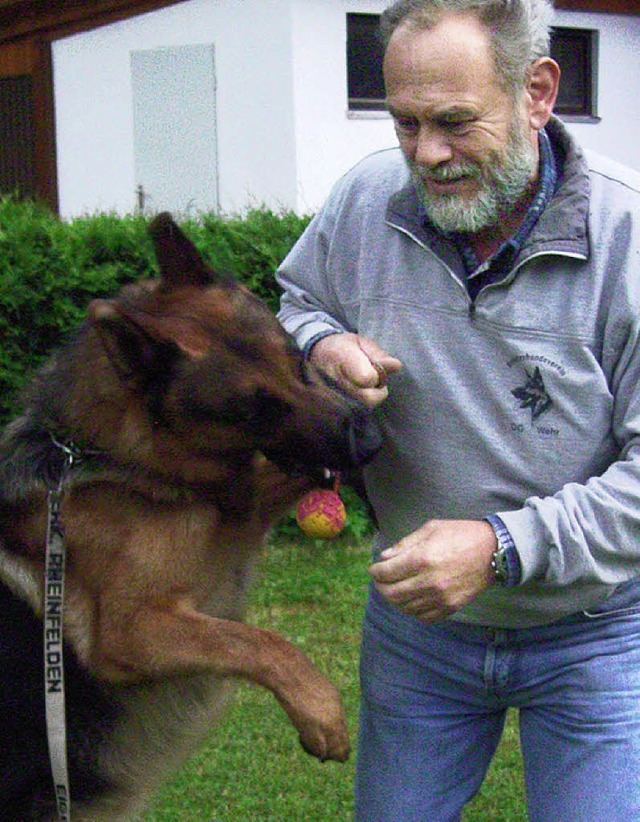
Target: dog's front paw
<point>321,722</point>
<point>327,741</point>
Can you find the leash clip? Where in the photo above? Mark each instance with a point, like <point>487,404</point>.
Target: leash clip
<point>72,455</point>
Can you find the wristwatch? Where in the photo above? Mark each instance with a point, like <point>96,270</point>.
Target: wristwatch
<point>499,563</point>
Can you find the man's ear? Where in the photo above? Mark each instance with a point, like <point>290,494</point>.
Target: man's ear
<point>543,80</point>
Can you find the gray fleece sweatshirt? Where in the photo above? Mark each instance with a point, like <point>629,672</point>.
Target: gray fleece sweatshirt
<point>524,403</point>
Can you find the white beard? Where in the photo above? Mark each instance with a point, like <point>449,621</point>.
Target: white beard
<point>504,181</point>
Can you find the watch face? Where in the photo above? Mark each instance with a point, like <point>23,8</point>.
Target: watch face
<point>499,565</point>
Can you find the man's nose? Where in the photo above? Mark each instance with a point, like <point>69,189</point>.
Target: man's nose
<point>431,148</point>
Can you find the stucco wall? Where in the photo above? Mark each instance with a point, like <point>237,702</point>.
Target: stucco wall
<point>284,134</point>
<point>94,113</point>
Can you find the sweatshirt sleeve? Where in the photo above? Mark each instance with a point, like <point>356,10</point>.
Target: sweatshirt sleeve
<point>309,308</point>
<point>590,532</point>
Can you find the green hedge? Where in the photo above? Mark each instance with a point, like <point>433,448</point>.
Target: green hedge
<point>50,270</point>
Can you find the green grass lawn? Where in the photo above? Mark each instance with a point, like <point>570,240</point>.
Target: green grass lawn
<point>253,769</point>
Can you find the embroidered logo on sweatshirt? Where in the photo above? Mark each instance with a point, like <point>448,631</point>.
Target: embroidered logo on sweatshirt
<point>533,394</point>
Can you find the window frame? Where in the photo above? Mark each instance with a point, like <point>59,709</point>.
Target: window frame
<point>580,104</point>
<point>371,79</point>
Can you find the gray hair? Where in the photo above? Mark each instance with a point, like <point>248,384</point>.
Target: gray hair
<point>519,29</point>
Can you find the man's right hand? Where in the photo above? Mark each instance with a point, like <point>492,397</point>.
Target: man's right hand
<point>358,364</point>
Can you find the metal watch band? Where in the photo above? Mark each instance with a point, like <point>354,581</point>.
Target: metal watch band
<point>499,564</point>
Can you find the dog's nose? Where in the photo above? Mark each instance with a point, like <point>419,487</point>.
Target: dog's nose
<point>365,437</point>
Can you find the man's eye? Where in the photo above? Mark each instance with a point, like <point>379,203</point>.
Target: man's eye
<point>406,125</point>
<point>455,126</point>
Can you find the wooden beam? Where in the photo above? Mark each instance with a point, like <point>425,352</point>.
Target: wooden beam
<point>600,6</point>
<point>51,19</point>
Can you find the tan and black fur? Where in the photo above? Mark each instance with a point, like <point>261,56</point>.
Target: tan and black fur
<point>196,424</point>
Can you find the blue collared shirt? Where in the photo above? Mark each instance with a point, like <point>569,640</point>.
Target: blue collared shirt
<point>481,273</point>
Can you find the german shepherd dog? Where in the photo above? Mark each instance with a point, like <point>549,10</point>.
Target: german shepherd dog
<point>194,423</point>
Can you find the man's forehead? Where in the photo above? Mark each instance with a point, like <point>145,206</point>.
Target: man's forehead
<point>424,70</point>
<point>457,46</point>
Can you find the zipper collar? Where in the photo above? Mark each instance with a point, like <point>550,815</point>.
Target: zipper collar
<point>562,228</point>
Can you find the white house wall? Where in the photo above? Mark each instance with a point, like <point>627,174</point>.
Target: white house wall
<point>618,132</point>
<point>328,140</point>
<point>94,114</point>
<point>284,133</point>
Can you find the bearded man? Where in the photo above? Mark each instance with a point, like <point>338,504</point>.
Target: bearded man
<point>481,285</point>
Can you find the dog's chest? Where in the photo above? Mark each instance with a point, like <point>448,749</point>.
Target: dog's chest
<point>229,561</point>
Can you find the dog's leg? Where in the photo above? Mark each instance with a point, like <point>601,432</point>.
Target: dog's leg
<point>177,640</point>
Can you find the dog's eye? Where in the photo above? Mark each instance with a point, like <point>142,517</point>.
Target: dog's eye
<point>260,412</point>
<point>264,412</point>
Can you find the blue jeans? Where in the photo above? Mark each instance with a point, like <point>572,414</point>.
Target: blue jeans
<point>434,700</point>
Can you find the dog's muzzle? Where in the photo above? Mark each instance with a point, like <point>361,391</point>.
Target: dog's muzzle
<point>359,441</point>
<point>364,437</point>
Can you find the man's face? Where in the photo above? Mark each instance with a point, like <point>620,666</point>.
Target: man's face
<point>471,151</point>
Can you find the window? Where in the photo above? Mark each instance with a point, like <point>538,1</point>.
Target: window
<point>576,50</point>
<point>364,63</point>
<point>27,127</point>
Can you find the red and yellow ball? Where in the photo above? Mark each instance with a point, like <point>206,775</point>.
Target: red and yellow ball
<point>321,514</point>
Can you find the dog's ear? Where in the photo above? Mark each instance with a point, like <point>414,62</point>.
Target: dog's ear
<point>135,354</point>
<point>179,260</point>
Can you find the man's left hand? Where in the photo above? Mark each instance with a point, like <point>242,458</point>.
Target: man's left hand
<point>437,569</point>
